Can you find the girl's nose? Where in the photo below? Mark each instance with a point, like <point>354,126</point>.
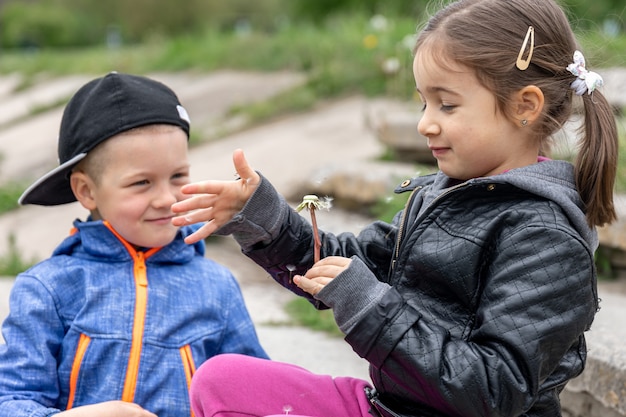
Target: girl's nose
<point>427,126</point>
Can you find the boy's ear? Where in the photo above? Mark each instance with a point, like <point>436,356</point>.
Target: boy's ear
<point>528,104</point>
<point>82,187</point>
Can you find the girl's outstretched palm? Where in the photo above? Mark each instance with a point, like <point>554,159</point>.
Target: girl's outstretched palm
<point>216,202</point>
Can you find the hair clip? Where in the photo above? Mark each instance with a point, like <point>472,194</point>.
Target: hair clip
<point>585,80</point>
<point>522,64</point>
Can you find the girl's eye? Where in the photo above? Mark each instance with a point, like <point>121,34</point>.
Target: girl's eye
<point>142,182</point>
<point>424,107</point>
<point>447,108</point>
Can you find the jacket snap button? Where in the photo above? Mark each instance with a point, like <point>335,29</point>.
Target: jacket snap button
<point>405,183</point>
<point>491,187</point>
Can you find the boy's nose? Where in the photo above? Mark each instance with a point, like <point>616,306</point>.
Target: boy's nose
<point>166,196</point>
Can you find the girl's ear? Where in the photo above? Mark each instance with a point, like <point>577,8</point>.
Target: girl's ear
<point>528,104</point>
<point>82,187</point>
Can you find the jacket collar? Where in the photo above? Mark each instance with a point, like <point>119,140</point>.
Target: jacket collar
<point>93,239</point>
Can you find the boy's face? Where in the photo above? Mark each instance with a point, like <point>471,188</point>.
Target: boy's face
<point>141,178</point>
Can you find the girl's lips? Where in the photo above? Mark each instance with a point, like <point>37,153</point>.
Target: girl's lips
<point>438,151</point>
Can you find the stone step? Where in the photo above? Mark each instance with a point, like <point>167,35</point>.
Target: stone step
<point>600,391</point>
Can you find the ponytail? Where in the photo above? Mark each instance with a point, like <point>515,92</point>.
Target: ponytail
<point>596,163</point>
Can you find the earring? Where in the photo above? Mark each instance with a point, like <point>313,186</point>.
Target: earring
<point>524,122</point>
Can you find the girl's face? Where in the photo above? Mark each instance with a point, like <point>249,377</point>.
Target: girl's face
<point>143,176</point>
<point>467,133</point>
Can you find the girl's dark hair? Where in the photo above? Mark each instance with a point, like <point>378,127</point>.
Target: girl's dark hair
<point>487,35</point>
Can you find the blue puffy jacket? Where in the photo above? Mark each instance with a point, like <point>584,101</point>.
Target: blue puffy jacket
<point>101,321</point>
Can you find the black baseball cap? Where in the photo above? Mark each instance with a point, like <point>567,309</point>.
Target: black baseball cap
<point>100,109</point>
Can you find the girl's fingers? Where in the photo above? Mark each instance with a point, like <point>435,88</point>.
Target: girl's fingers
<point>244,170</point>
<point>193,217</point>
<point>311,286</point>
<point>198,201</point>
<point>205,231</point>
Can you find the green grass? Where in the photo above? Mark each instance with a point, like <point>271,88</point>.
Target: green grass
<point>9,193</point>
<point>304,314</point>
<point>603,51</point>
<point>620,180</point>
<point>334,57</point>
<point>12,262</point>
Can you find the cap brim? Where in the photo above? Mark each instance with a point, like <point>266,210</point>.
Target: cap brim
<point>54,187</point>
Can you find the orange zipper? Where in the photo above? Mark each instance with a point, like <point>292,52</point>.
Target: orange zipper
<point>83,343</point>
<point>141,303</point>
<point>188,365</point>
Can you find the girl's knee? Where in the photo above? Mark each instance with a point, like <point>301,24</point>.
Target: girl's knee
<point>215,369</point>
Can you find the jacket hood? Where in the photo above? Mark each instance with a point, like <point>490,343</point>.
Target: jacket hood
<point>550,179</point>
<point>554,180</point>
<point>94,239</point>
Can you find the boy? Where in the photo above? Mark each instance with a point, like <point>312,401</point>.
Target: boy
<point>117,320</point>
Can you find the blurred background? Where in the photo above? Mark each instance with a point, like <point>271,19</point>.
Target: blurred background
<point>339,48</point>
<point>343,45</point>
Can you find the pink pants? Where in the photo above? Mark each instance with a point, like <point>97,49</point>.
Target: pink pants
<point>232,385</point>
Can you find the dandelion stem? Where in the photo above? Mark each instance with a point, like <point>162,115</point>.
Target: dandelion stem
<point>316,236</point>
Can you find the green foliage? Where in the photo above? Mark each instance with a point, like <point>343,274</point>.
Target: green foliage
<point>346,55</point>
<point>12,263</point>
<point>293,101</point>
<point>595,14</point>
<point>54,23</point>
<point>320,10</point>
<point>620,181</point>
<point>603,51</point>
<point>603,260</point>
<point>9,194</point>
<point>304,314</point>
<point>32,25</point>
<point>63,23</point>
<point>385,209</point>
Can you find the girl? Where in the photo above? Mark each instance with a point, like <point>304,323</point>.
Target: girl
<point>475,299</point>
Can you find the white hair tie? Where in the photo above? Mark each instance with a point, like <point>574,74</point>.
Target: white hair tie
<point>586,81</point>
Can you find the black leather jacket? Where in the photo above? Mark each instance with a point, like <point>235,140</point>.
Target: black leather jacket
<point>473,302</point>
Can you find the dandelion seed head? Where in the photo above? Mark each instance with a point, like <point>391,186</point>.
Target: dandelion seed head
<point>327,203</point>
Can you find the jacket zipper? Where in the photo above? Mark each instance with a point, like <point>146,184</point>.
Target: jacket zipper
<point>141,302</point>
<point>403,220</point>
<point>406,208</point>
<point>83,343</point>
<point>188,366</point>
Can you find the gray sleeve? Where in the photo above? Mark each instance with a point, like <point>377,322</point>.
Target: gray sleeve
<point>352,293</point>
<point>260,220</point>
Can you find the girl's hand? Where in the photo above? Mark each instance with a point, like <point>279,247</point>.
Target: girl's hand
<point>216,202</point>
<point>321,274</point>
<point>108,409</point>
